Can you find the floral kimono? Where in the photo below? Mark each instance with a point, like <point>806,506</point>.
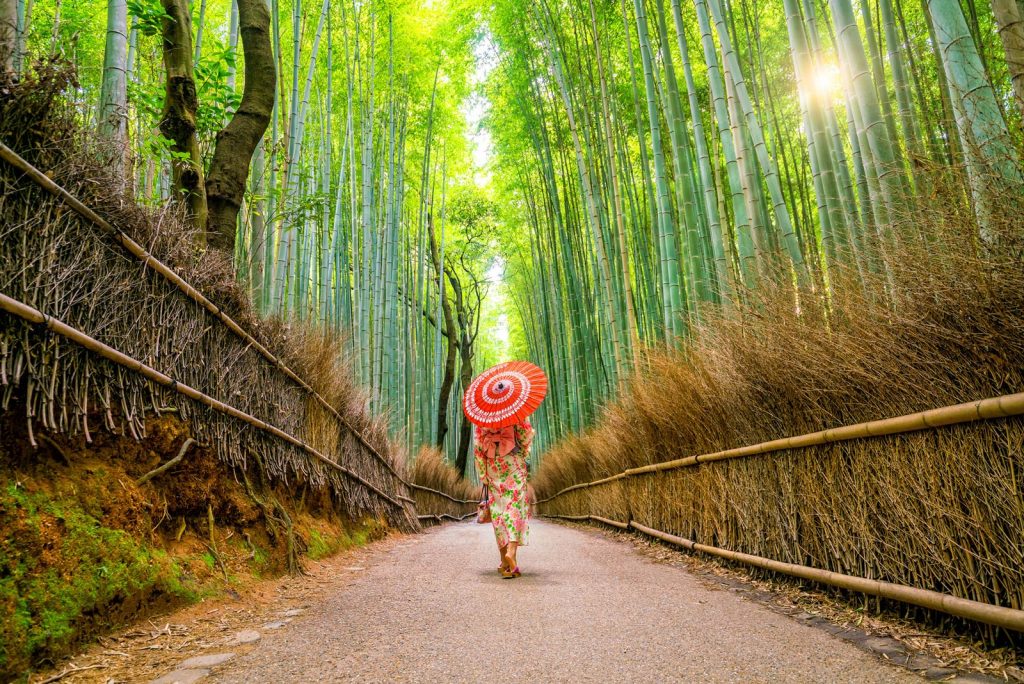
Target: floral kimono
<point>501,463</point>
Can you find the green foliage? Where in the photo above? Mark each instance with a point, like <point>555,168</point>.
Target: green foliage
<point>148,16</point>
<point>648,169</point>
<point>616,119</point>
<point>217,100</point>
<point>209,560</point>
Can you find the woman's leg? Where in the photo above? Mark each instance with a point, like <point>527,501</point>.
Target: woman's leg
<point>501,552</point>
<point>510,555</point>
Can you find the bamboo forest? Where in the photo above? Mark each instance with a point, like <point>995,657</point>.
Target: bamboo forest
<point>265,247</point>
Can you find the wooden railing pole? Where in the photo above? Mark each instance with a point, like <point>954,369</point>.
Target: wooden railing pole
<point>413,485</point>
<point>1004,406</point>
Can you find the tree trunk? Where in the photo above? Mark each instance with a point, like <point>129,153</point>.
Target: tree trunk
<point>1011,30</point>
<point>8,37</point>
<point>178,121</point>
<point>464,343</point>
<point>445,390</point>
<point>465,427</point>
<point>237,142</point>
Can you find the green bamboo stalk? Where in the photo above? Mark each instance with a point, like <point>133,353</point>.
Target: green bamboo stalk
<point>831,214</point>
<point>908,121</point>
<point>686,192</point>
<point>199,32</point>
<point>669,266</point>
<point>112,116</point>
<point>741,220</point>
<point>586,181</point>
<point>710,195</point>
<point>884,163</point>
<point>754,129</point>
<point>993,165</point>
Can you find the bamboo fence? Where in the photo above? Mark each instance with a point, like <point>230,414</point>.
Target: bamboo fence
<point>1004,406</point>
<point>428,490</point>
<point>160,322</point>
<point>31,315</point>
<point>151,262</point>
<point>439,489</point>
<point>440,518</point>
<point>924,508</point>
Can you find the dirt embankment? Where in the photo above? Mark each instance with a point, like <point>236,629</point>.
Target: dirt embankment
<point>85,548</point>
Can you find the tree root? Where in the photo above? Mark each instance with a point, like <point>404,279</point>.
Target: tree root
<point>56,447</point>
<point>279,524</point>
<point>213,541</point>
<point>166,466</point>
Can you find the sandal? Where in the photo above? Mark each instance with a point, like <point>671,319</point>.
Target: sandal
<point>511,574</point>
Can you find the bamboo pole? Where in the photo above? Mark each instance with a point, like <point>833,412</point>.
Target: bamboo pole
<point>32,315</point>
<point>442,516</point>
<point>1000,616</point>
<point>149,261</point>
<point>413,485</point>
<point>985,409</point>
<point>611,523</point>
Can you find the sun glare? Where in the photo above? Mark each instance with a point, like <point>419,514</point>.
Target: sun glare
<point>825,80</point>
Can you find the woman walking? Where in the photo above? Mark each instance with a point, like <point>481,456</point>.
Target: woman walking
<point>498,403</point>
<point>501,464</point>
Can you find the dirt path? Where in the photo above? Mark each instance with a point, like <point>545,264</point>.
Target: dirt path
<point>432,608</point>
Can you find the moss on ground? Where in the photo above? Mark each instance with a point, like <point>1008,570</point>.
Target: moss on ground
<point>327,540</point>
<point>61,570</point>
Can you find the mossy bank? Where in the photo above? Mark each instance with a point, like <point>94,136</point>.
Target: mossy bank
<point>85,548</point>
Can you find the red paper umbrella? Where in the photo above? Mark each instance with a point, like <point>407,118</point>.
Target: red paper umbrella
<point>505,394</point>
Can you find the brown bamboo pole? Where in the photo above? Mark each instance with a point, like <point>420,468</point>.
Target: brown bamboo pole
<point>150,261</point>
<point>442,516</point>
<point>1000,616</point>
<point>611,523</point>
<point>1003,406</point>
<point>33,315</point>
<point>421,488</point>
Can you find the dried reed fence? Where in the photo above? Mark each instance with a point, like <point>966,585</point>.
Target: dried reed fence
<point>994,408</point>
<point>167,308</point>
<point>441,493</point>
<point>939,509</point>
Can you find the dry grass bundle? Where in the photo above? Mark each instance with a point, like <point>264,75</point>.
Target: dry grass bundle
<point>942,509</point>
<point>450,491</point>
<point>56,262</point>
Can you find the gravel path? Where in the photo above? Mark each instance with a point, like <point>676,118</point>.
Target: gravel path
<point>588,609</point>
